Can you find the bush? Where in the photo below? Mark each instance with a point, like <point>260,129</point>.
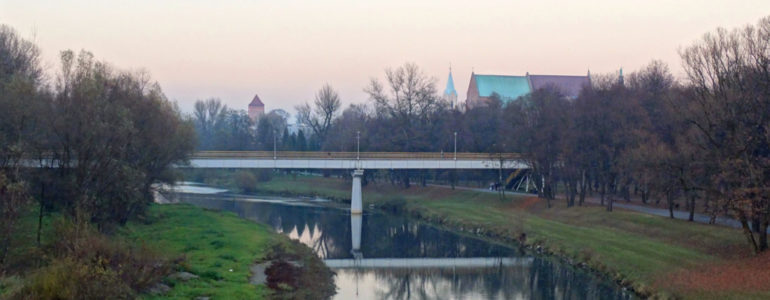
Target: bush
<point>71,279</point>
<point>282,275</point>
<point>246,181</point>
<point>89,265</point>
<point>297,273</point>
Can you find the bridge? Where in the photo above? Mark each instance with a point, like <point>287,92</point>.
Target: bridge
<point>355,161</point>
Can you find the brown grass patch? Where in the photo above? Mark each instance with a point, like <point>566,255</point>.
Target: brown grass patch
<point>750,274</point>
<point>527,203</point>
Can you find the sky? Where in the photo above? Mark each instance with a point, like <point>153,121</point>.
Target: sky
<point>285,51</point>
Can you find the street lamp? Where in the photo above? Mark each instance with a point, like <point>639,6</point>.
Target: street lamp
<point>358,145</point>
<point>275,155</point>
<point>455,145</point>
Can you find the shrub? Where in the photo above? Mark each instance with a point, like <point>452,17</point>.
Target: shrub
<point>246,181</point>
<point>72,279</point>
<point>296,273</point>
<point>89,265</point>
<point>13,196</point>
<point>282,275</point>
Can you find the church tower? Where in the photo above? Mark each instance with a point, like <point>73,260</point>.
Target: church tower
<point>256,109</point>
<point>450,94</point>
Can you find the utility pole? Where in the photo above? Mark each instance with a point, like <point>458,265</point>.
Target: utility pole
<point>275,155</point>
<point>455,145</point>
<point>358,145</point>
<point>501,191</point>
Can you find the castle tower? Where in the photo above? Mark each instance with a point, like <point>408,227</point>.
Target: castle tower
<point>256,109</point>
<point>450,94</point>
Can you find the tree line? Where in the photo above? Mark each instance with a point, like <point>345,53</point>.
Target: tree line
<point>703,139</point>
<point>102,136</point>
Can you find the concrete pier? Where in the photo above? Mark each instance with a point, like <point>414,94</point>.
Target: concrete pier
<point>356,201</point>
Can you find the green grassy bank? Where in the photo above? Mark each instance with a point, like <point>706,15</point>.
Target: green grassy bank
<point>641,251</point>
<point>217,248</point>
<point>220,248</point>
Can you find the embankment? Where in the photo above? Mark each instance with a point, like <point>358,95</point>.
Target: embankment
<point>220,252</point>
<point>638,251</point>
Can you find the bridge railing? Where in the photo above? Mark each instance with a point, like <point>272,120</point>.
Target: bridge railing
<point>353,155</point>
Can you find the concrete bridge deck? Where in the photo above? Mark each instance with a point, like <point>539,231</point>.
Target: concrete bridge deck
<point>353,160</point>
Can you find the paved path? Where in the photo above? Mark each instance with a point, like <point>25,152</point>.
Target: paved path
<point>678,214</point>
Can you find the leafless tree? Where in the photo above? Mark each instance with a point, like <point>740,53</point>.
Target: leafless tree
<point>408,100</point>
<point>729,72</point>
<point>321,114</point>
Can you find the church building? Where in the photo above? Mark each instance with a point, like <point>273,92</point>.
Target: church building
<point>509,88</point>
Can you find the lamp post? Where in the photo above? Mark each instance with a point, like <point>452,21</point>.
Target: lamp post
<point>358,145</point>
<point>275,155</point>
<point>455,145</point>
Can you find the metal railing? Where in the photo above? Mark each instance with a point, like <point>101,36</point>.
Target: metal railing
<point>353,155</point>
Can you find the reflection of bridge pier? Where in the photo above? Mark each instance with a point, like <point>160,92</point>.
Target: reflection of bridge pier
<point>355,230</point>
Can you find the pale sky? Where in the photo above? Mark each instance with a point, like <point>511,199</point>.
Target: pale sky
<point>286,50</point>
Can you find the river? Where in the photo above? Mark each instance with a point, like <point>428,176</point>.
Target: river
<point>381,256</point>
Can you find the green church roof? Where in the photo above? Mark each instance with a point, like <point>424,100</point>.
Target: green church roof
<point>508,87</point>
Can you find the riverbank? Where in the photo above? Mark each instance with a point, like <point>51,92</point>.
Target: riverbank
<point>647,253</point>
<point>221,250</point>
<point>176,251</point>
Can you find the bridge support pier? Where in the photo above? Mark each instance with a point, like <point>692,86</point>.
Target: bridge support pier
<point>356,201</point>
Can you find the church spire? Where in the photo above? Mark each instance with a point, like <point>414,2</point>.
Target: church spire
<point>450,94</point>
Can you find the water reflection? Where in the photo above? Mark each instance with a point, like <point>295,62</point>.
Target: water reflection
<point>355,236</point>
<point>379,256</point>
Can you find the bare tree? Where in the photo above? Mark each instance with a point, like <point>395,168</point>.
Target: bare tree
<point>729,107</point>
<point>409,100</point>
<point>207,113</point>
<point>320,116</point>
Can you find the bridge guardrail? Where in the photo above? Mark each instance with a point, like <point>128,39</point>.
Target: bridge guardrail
<point>353,155</point>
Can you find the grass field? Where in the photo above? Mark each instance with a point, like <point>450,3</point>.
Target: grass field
<point>649,253</point>
<point>220,248</point>
<point>217,246</point>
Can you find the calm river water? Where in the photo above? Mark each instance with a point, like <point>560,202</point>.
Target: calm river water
<point>379,256</point>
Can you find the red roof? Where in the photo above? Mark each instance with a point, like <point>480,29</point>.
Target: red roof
<point>256,101</point>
